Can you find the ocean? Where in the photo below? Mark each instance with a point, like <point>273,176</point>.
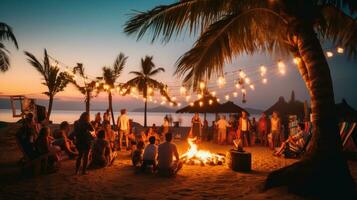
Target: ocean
<point>58,116</point>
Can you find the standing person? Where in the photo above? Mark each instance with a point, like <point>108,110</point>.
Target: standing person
<point>222,125</point>
<point>275,129</point>
<point>165,126</point>
<point>83,138</point>
<point>106,118</point>
<point>231,130</point>
<point>109,134</point>
<point>205,130</point>
<point>196,127</point>
<point>263,129</point>
<point>97,120</point>
<point>166,152</point>
<point>124,128</point>
<point>244,128</point>
<point>253,131</point>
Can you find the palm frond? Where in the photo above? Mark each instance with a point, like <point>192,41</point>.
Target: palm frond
<point>245,32</point>
<point>119,64</point>
<point>339,28</point>
<point>156,71</point>
<point>4,59</point>
<point>6,33</point>
<point>35,63</point>
<point>136,73</point>
<point>147,65</point>
<point>350,5</point>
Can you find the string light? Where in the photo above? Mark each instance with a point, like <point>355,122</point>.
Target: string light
<point>227,97</point>
<point>241,74</point>
<point>199,96</point>
<point>296,60</point>
<point>243,91</point>
<point>237,85</point>
<point>210,102</point>
<point>281,67</point>
<point>252,86</point>
<point>191,104</point>
<point>218,100</point>
<point>263,70</point>
<point>173,98</point>
<point>221,81</point>
<point>201,103</point>
<point>265,81</point>
<point>329,54</point>
<point>247,80</point>
<point>213,93</point>
<point>202,85</point>
<point>179,104</point>
<point>235,94</point>
<point>183,90</point>
<point>188,97</point>
<point>340,50</point>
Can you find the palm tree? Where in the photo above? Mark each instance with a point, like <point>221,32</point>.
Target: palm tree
<point>55,80</point>
<point>145,83</point>
<point>6,34</point>
<point>228,28</point>
<point>109,77</point>
<point>87,88</point>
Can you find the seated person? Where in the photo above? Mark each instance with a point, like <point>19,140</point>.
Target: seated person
<point>102,155</point>
<point>27,135</point>
<point>109,134</point>
<point>61,139</point>
<point>150,153</point>
<point>136,155</point>
<point>143,137</point>
<point>295,143</point>
<point>166,152</point>
<point>151,133</point>
<point>43,145</point>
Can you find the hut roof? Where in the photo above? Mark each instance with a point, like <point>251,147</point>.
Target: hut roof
<point>209,104</point>
<point>345,112</point>
<point>230,107</point>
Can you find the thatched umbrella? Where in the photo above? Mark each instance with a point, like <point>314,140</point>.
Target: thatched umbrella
<point>230,107</point>
<point>345,112</point>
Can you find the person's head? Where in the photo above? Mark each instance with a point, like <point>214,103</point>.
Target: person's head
<point>196,115</point>
<point>101,134</point>
<point>29,117</point>
<point>150,130</point>
<point>152,140</point>
<point>97,117</point>
<point>154,125</point>
<point>123,111</point>
<point>301,126</point>
<point>106,125</point>
<point>275,114</point>
<point>44,132</point>
<point>64,126</point>
<point>84,117</point>
<point>168,137</point>
<point>140,145</point>
<point>253,119</point>
<point>244,114</point>
<point>263,115</point>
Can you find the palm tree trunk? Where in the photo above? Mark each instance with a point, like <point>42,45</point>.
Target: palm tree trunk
<point>110,100</point>
<point>88,102</point>
<point>50,103</point>
<point>323,162</point>
<point>145,107</point>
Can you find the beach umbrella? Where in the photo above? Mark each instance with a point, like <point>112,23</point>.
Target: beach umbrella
<point>230,107</point>
<point>345,112</point>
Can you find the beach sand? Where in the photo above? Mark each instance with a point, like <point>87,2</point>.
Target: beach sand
<point>121,182</point>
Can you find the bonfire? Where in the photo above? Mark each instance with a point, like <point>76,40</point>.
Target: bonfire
<point>203,157</point>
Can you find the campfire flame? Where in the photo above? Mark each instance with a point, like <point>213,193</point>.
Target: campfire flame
<point>197,156</point>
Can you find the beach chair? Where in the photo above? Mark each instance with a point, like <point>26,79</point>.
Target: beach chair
<point>31,165</point>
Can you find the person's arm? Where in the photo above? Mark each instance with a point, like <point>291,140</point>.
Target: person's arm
<point>176,154</point>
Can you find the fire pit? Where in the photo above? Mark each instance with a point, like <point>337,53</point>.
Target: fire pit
<point>195,156</point>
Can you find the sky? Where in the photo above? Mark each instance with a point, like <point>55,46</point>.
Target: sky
<point>91,32</point>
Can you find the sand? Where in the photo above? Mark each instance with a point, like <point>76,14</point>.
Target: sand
<point>121,182</point>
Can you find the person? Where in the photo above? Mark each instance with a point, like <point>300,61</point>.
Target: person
<point>275,130</point>
<point>106,117</point>
<point>295,143</point>
<point>263,129</point>
<point>196,126</point>
<point>83,138</point>
<point>166,152</point>
<point>231,130</point>
<point>214,132</point>
<point>43,145</point>
<point>151,133</point>
<point>61,140</point>
<point>109,134</point>
<point>222,125</point>
<point>244,128</point>
<point>150,154</point>
<point>123,127</point>
<point>102,155</point>
<point>205,130</point>
<point>97,120</point>
<point>27,135</point>
<point>253,132</point>
<point>136,155</point>
<point>165,126</point>
<point>154,128</point>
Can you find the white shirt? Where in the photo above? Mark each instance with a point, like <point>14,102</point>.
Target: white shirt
<point>123,122</point>
<point>150,152</point>
<point>222,124</point>
<point>244,124</point>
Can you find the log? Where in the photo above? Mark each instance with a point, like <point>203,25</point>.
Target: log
<point>240,161</point>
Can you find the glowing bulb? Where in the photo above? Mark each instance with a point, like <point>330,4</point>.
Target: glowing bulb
<point>202,85</point>
<point>243,91</point>
<point>96,84</point>
<point>201,103</point>
<point>235,94</point>
<point>183,90</point>
<point>163,102</point>
<point>340,50</point>
<point>296,60</point>
<point>133,89</point>
<point>210,102</point>
<point>191,104</point>
<point>252,87</point>
<point>227,97</point>
<point>106,87</point>
<point>171,104</point>
<point>265,81</point>
<point>281,67</point>
<point>218,100</point>
<point>242,74</point>
<point>329,54</point>
<point>237,85</point>
<point>188,98</point>
<point>213,93</point>
<point>155,101</point>
<point>247,80</point>
<point>173,98</point>
<point>221,81</point>
<point>178,104</point>
<point>199,96</point>
<point>150,90</point>
<point>263,70</point>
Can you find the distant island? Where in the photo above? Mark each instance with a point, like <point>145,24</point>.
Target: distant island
<point>155,109</point>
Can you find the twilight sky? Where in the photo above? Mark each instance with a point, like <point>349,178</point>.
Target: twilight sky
<point>91,32</point>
